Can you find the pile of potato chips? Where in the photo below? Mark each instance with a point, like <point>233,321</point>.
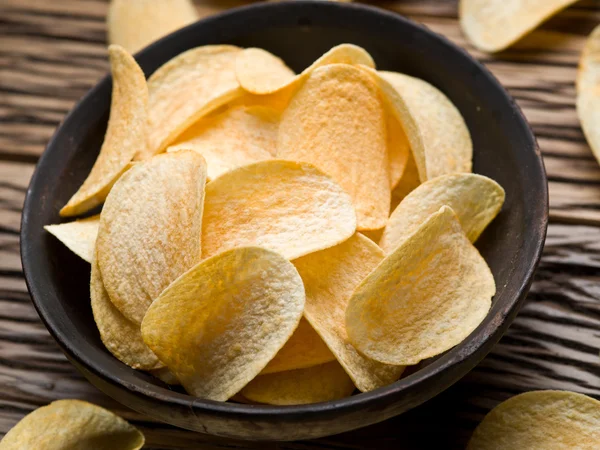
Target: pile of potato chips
<point>231,254</point>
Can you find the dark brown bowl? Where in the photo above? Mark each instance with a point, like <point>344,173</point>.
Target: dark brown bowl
<point>504,149</point>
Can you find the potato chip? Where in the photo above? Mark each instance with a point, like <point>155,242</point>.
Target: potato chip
<point>136,23</point>
<point>165,375</point>
<point>288,207</point>
<point>298,387</point>
<point>72,425</point>
<point>330,276</point>
<point>125,134</point>
<point>446,139</point>
<point>305,348</point>
<point>120,336</point>
<point>398,149</point>
<point>541,420</point>
<point>236,137</point>
<point>218,325</point>
<point>424,298</point>
<point>150,229</point>
<point>258,70</point>
<point>475,199</point>
<point>187,88</point>
<point>79,236</point>
<point>409,182</point>
<point>336,121</point>
<point>493,25</point>
<point>588,91</point>
<point>252,65</point>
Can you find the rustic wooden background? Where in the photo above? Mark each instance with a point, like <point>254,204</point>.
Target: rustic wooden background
<point>53,51</point>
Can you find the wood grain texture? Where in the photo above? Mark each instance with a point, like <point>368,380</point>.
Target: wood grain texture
<point>52,52</point>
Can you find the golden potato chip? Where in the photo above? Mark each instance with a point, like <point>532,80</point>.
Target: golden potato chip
<point>219,324</point>
<point>236,137</point>
<point>298,387</point>
<point>336,121</point>
<point>588,91</point>
<point>165,375</point>
<point>72,425</point>
<point>136,23</point>
<point>305,348</point>
<point>330,276</point>
<point>258,71</point>
<point>541,420</point>
<point>493,25</point>
<point>125,134</point>
<point>150,229</point>
<point>475,199</point>
<point>424,298</point>
<point>409,182</point>
<point>445,136</point>
<point>187,88</point>
<point>288,207</point>
<point>252,78</point>
<point>398,149</point>
<point>120,336</point>
<point>79,236</point>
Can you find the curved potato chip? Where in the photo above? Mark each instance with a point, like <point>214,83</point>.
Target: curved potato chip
<point>291,208</point>
<point>408,183</point>
<point>79,236</point>
<point>302,386</point>
<point>493,25</point>
<point>258,71</point>
<point>588,91</point>
<point>234,138</point>
<point>125,133</point>
<point>475,199</point>
<point>330,276</point>
<point>136,23</point>
<point>305,348</point>
<point>218,325</point>
<point>120,336</point>
<point>187,88</point>
<point>336,121</point>
<point>165,375</point>
<point>541,420</point>
<point>72,425</point>
<point>398,149</point>
<point>150,229</point>
<point>252,79</point>
<point>446,140</point>
<point>424,298</point>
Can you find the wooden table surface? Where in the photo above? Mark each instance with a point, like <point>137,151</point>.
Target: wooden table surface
<point>53,51</point>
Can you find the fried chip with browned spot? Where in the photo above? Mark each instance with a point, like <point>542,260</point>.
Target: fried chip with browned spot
<point>150,229</point>
<point>218,325</point>
<point>588,91</point>
<point>187,88</point>
<point>424,298</point>
<point>330,277</point>
<point>305,348</point>
<point>446,139</point>
<point>315,384</point>
<point>236,137</point>
<point>125,134</point>
<point>120,336</point>
<point>79,236</point>
<point>541,420</point>
<point>288,207</point>
<point>72,425</point>
<point>475,199</point>
<point>336,121</point>
<point>136,23</point>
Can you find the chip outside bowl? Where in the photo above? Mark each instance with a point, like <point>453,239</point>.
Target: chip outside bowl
<point>504,149</point>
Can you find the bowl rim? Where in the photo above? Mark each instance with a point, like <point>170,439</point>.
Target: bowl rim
<point>488,330</point>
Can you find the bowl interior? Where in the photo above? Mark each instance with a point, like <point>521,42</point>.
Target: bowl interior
<point>298,32</point>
